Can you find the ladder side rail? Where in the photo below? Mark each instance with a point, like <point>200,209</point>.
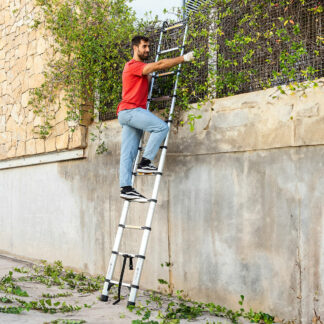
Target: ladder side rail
<point>178,74</point>
<point>166,141</point>
<point>119,234</point>
<point>113,257</point>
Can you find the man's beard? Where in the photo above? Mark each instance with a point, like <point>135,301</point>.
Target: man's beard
<point>143,56</point>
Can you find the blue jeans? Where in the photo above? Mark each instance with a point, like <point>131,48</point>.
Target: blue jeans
<point>134,122</point>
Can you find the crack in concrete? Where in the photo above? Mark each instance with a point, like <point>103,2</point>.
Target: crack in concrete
<point>245,151</point>
<point>171,285</point>
<point>298,262</point>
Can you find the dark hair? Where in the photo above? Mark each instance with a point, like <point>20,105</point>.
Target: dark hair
<point>136,40</point>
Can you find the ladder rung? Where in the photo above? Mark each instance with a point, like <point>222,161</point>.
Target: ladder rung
<point>165,74</point>
<point>158,99</point>
<point>122,254</point>
<point>144,173</point>
<point>130,254</point>
<point>174,26</point>
<point>133,227</point>
<point>170,50</point>
<point>150,174</point>
<point>123,283</point>
<point>137,227</point>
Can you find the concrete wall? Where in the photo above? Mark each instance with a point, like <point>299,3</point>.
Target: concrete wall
<point>240,210</point>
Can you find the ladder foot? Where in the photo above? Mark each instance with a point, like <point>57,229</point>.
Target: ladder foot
<point>131,303</point>
<point>104,298</point>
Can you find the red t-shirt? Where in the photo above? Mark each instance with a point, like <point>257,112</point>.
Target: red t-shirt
<point>135,86</point>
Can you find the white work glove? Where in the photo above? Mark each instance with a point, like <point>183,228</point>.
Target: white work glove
<point>189,57</point>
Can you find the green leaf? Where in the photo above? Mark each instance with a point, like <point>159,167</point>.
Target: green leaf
<point>162,281</point>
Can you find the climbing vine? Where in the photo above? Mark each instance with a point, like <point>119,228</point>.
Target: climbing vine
<point>89,54</point>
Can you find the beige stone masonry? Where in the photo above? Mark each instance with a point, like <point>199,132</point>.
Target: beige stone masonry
<point>24,54</point>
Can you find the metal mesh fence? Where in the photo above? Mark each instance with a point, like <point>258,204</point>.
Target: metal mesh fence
<point>263,70</point>
<point>266,64</point>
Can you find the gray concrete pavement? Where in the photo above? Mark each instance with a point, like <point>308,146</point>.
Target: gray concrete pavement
<point>99,313</point>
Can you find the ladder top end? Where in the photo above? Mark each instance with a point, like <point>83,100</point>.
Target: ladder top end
<point>174,26</point>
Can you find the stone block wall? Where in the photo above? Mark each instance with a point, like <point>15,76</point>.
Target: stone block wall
<point>24,54</point>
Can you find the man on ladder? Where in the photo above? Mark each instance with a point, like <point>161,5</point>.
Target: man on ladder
<point>135,118</point>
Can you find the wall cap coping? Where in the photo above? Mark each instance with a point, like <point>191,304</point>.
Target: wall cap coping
<point>42,158</point>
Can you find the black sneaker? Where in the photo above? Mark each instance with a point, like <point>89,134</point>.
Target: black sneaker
<point>146,166</point>
<point>133,195</point>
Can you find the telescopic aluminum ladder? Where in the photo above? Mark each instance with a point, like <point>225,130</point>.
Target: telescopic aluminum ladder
<point>134,286</point>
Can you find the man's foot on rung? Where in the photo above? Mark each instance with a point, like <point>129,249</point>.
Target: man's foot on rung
<point>131,194</point>
<point>146,166</point>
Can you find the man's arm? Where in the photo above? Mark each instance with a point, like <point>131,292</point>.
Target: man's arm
<point>167,63</point>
